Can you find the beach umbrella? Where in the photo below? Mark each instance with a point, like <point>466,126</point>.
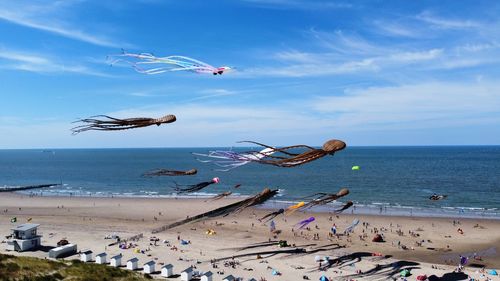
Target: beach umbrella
<point>492,272</point>
<point>405,273</point>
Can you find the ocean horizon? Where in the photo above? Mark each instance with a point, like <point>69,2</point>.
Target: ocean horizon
<point>393,180</point>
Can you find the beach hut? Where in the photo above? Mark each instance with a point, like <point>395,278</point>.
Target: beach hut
<point>24,237</point>
<point>187,274</point>
<point>132,263</point>
<point>86,256</point>
<point>101,258</point>
<point>167,270</point>
<point>207,276</point>
<point>229,278</point>
<point>149,267</point>
<point>63,251</point>
<point>116,261</point>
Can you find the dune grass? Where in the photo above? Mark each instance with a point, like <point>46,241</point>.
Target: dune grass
<point>33,269</point>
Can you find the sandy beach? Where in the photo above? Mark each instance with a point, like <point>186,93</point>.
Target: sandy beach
<point>430,246</point>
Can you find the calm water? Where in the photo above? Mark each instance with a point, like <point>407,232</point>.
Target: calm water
<point>399,178</point>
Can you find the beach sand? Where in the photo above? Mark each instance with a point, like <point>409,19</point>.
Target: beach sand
<point>87,220</point>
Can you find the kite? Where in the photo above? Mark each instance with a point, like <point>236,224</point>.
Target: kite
<point>228,159</point>
<point>290,210</point>
<point>305,222</point>
<point>289,159</point>
<point>346,206</point>
<point>164,172</point>
<point>222,195</point>
<point>107,123</point>
<point>237,185</point>
<point>325,198</point>
<point>272,215</point>
<point>234,208</point>
<point>349,229</point>
<point>149,64</point>
<point>355,168</point>
<point>436,197</point>
<point>194,187</point>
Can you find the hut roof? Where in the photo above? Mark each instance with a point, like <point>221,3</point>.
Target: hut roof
<point>133,260</point>
<point>101,255</point>
<point>88,252</point>
<point>25,226</point>
<point>150,263</point>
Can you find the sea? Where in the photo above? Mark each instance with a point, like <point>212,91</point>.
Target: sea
<point>389,181</point>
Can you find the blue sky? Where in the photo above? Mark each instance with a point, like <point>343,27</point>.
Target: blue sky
<point>367,72</point>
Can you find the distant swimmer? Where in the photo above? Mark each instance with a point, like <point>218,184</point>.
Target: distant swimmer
<point>436,197</point>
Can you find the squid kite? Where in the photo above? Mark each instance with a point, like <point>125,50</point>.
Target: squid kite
<point>194,187</point>
<point>164,172</point>
<point>289,159</point>
<point>350,228</point>
<point>272,215</point>
<point>228,159</point>
<point>305,222</point>
<point>325,198</point>
<point>346,206</point>
<point>237,207</point>
<point>290,210</point>
<point>146,63</point>
<point>107,123</point>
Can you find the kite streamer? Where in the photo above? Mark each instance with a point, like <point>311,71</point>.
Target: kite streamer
<point>228,159</point>
<point>107,123</point>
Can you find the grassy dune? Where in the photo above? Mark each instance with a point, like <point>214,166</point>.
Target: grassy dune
<point>27,268</point>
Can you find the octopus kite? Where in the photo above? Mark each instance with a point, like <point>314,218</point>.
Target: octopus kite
<point>290,210</point>
<point>164,172</point>
<point>289,159</point>
<point>107,123</point>
<point>146,63</point>
<point>325,198</point>
<point>353,225</point>
<point>228,159</point>
<point>305,222</point>
<point>272,215</point>
<point>194,187</point>
<point>346,206</point>
<point>233,208</point>
<point>436,197</point>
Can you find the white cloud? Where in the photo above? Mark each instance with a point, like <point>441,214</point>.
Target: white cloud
<point>443,23</point>
<point>41,64</point>
<point>45,17</point>
<point>298,4</point>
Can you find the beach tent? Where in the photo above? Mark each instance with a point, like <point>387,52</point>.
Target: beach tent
<point>167,270</point>
<point>422,277</point>
<point>207,276</point>
<point>492,272</point>
<point>116,261</point>
<point>86,256</point>
<point>323,278</point>
<point>101,258</point>
<point>405,273</point>
<point>378,238</point>
<point>149,267</point>
<point>132,263</point>
<point>187,274</point>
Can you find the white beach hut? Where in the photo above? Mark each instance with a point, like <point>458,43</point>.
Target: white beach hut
<point>132,264</point>
<point>167,270</point>
<point>116,261</point>
<point>149,267</point>
<point>187,274</point>
<point>86,256</point>
<point>207,276</point>
<point>229,278</point>
<point>63,251</point>
<point>101,258</point>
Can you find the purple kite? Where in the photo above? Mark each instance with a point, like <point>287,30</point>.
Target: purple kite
<point>305,222</point>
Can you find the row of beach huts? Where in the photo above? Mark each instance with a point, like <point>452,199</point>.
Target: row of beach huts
<point>25,237</point>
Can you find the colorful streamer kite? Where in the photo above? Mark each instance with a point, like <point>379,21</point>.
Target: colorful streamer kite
<point>146,63</point>
<point>228,159</point>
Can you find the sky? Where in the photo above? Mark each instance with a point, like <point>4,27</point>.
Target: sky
<point>366,72</point>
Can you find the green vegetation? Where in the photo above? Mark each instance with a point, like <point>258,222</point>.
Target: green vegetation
<point>33,269</point>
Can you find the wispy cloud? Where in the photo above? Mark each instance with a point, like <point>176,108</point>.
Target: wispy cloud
<point>300,4</point>
<point>443,23</point>
<point>38,63</point>
<point>45,17</point>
